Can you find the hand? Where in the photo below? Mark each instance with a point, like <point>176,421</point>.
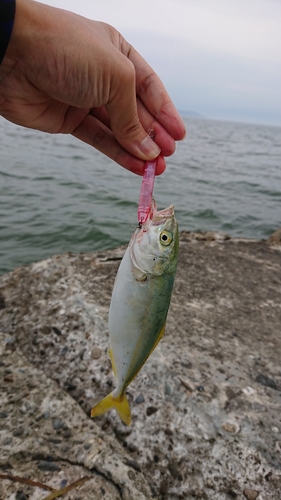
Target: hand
<point>63,73</point>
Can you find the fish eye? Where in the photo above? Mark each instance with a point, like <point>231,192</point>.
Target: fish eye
<point>166,238</point>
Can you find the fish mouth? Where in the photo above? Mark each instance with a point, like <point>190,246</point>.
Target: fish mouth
<point>158,217</point>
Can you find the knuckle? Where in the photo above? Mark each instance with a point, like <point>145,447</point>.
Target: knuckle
<point>145,84</point>
<point>98,138</point>
<point>129,72</point>
<point>130,128</point>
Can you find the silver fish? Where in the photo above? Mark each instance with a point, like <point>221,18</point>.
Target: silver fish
<point>139,303</point>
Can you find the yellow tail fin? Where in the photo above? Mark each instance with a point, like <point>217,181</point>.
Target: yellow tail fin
<point>120,404</point>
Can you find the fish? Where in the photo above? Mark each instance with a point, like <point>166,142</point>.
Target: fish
<point>139,303</point>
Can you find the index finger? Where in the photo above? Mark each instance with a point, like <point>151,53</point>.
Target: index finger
<point>153,94</point>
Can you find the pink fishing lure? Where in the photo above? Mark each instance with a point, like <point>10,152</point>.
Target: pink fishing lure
<point>145,201</point>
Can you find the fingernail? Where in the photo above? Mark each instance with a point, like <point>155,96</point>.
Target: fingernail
<point>149,148</point>
<point>184,135</point>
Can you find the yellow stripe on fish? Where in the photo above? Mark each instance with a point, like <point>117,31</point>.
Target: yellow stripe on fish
<point>139,304</point>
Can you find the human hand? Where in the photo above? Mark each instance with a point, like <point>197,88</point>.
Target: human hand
<point>63,73</point>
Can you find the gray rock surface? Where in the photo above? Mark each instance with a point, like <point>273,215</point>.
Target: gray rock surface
<point>206,406</point>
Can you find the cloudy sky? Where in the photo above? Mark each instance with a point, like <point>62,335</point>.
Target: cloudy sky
<point>218,58</point>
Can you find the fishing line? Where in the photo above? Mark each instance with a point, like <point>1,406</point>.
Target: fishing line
<point>169,69</point>
<point>146,205</point>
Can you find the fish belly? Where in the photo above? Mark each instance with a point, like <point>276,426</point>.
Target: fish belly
<point>137,317</point>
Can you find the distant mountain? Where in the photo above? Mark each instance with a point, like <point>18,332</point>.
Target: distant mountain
<point>191,114</point>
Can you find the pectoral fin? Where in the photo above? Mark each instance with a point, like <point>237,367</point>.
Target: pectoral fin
<point>120,404</point>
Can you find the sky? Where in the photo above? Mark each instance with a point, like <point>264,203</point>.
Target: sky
<point>218,58</point>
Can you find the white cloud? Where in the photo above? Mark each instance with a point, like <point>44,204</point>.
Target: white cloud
<point>250,28</point>
<point>222,50</point>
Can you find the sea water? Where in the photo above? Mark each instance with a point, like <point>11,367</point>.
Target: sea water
<point>59,195</point>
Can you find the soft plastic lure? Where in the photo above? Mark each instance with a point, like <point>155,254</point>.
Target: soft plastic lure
<point>145,201</point>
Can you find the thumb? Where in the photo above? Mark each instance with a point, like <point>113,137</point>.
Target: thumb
<point>123,115</point>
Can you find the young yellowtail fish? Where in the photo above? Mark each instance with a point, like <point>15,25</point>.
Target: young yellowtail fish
<point>140,302</point>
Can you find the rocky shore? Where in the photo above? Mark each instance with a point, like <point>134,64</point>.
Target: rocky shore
<point>206,406</point>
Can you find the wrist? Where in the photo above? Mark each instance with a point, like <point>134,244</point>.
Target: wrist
<point>21,33</point>
<point>16,49</point>
<point>7,16</point>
